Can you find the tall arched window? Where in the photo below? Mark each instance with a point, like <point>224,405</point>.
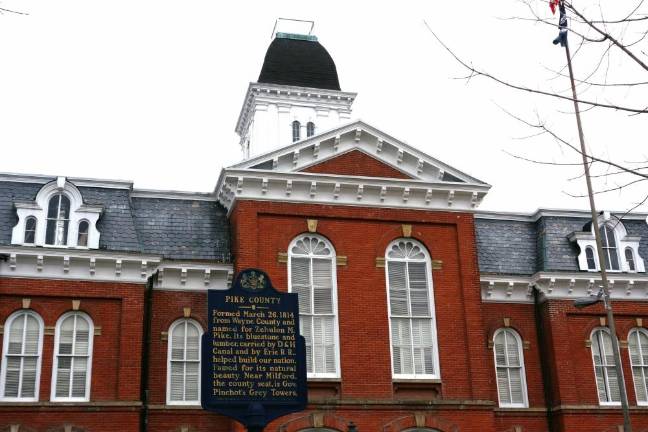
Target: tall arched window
<point>30,230</point>
<point>58,219</point>
<point>509,368</point>
<point>609,247</point>
<point>296,131</point>
<point>311,270</point>
<point>72,357</point>
<point>411,310</point>
<point>82,237</point>
<point>310,129</point>
<point>21,356</point>
<point>589,256</point>
<point>638,349</point>
<point>183,367</point>
<point>604,367</point>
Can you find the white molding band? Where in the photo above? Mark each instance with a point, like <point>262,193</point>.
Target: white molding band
<point>561,286</point>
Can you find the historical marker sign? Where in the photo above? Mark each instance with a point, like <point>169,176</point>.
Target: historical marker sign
<point>253,358</point>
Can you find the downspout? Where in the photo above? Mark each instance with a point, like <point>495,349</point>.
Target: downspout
<point>146,348</point>
<point>544,359</point>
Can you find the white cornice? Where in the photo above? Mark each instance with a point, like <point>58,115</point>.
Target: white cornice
<point>175,195</point>
<point>533,217</point>
<point>277,93</point>
<point>299,187</point>
<point>563,286</point>
<point>77,181</point>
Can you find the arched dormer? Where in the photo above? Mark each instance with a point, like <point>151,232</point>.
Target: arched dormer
<point>59,211</point>
<point>620,250</point>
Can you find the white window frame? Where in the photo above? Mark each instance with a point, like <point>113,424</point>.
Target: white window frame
<point>432,317</point>
<point>334,296</point>
<point>5,348</point>
<point>643,366</point>
<point>518,340</point>
<point>89,358</point>
<point>172,327</point>
<point>605,366</point>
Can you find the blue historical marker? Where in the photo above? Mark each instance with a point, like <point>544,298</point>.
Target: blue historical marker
<point>253,358</point>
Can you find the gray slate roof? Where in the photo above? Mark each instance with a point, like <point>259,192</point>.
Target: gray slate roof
<point>174,228</point>
<point>525,247</point>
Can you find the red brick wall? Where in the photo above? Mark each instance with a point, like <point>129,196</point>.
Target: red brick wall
<point>117,309</point>
<point>356,163</point>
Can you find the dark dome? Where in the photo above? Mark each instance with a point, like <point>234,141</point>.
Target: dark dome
<point>299,60</point>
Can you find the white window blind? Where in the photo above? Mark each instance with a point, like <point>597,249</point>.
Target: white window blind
<point>411,310</point>
<point>312,277</point>
<point>73,357</point>
<point>21,360</point>
<point>184,363</point>
<point>604,367</point>
<point>509,368</point>
<point>638,349</point>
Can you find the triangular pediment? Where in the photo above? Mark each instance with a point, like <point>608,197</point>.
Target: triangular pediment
<point>327,152</point>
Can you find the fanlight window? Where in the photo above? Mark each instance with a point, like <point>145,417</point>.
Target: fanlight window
<point>183,385</point>
<point>609,247</point>
<point>312,276</point>
<point>638,349</point>
<point>58,219</point>
<point>604,368</point>
<point>30,230</point>
<point>509,368</point>
<point>23,341</point>
<point>296,131</point>
<point>411,311</point>
<point>73,357</point>
<point>310,129</point>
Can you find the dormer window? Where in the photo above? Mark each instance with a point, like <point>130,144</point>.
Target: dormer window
<point>82,239</point>
<point>30,230</point>
<point>296,131</point>
<point>310,129</point>
<point>620,250</point>
<point>58,219</point>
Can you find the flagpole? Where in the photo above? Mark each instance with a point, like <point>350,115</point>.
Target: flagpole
<point>607,301</point>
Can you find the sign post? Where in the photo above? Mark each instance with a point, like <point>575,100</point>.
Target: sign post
<point>253,358</point>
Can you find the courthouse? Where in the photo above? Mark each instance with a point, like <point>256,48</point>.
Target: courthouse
<point>420,312</point>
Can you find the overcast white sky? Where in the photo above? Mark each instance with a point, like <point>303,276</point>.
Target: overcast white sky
<point>150,90</point>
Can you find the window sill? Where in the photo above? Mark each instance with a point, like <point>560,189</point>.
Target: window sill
<point>416,380</point>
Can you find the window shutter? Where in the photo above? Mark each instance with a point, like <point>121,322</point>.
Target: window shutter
<point>80,367</point>
<point>418,288</point>
<point>191,384</point>
<point>12,378</point>
<point>503,386</point>
<point>402,346</point>
<point>300,282</point>
<point>422,343</point>
<point>177,381</point>
<point>16,336</point>
<point>177,342</point>
<point>193,342</point>
<point>322,286</point>
<point>29,377</point>
<point>397,288</point>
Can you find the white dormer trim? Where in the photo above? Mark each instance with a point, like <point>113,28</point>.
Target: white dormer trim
<point>586,240</point>
<point>38,209</point>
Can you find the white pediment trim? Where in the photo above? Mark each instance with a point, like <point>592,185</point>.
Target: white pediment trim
<point>561,286</point>
<point>356,135</point>
<point>298,187</point>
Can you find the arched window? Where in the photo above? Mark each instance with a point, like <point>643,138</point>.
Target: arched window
<point>509,368</point>
<point>411,310</point>
<point>82,238</point>
<point>296,130</point>
<point>58,218</point>
<point>30,230</point>
<point>311,271</point>
<point>21,356</point>
<point>638,349</point>
<point>629,256</point>
<point>604,367</point>
<point>183,368</point>
<point>589,255</point>
<point>609,247</point>
<point>72,357</point>
<point>310,129</point>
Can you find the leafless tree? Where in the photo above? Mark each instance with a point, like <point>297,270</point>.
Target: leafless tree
<point>604,85</point>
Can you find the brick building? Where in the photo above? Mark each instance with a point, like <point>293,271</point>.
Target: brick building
<point>421,313</point>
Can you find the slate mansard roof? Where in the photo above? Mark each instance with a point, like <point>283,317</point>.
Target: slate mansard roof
<point>187,226</point>
<point>525,245</point>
